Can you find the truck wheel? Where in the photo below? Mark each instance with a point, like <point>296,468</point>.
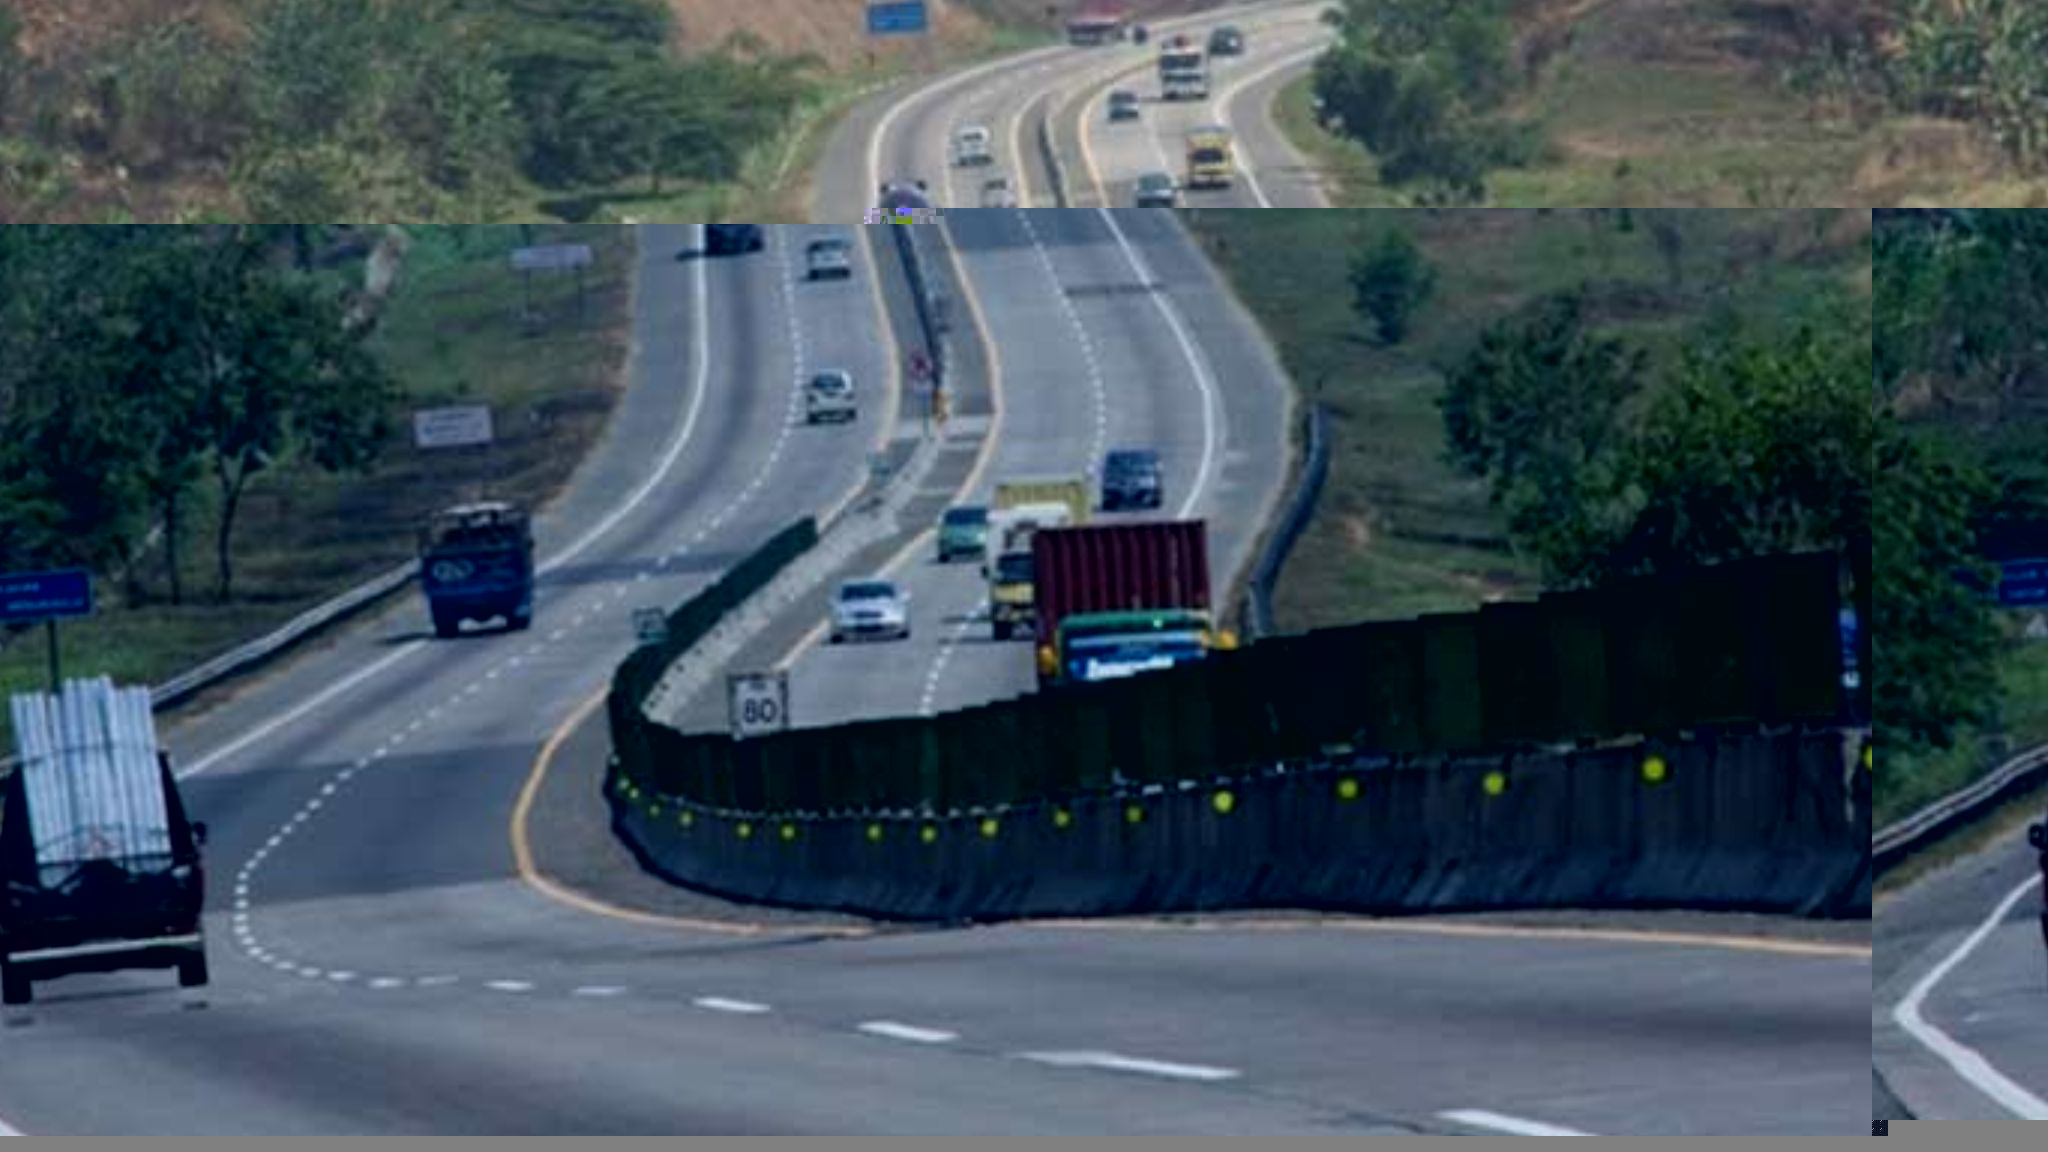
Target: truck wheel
<point>446,626</point>
<point>521,621</point>
<point>15,986</point>
<point>192,971</point>
<point>1003,628</point>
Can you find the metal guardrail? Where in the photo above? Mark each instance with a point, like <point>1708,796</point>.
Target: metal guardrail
<point>1315,469</point>
<point>1053,167</point>
<point>1893,843</point>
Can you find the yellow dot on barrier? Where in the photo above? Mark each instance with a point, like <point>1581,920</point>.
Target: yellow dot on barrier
<point>1134,815</point>
<point>746,831</point>
<point>1061,818</point>
<point>1866,757</point>
<point>788,832</point>
<point>874,833</point>
<point>1655,770</point>
<point>989,828</point>
<point>1224,803</point>
<point>687,819</point>
<point>1347,789</point>
<point>929,835</point>
<point>654,811</point>
<point>1496,783</point>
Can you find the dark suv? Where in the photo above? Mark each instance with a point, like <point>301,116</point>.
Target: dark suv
<point>1130,479</point>
<point>720,239</point>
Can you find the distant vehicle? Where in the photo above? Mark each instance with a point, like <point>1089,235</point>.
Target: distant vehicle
<point>1097,22</point>
<point>1209,159</point>
<point>100,861</point>
<point>1120,600</point>
<point>972,147</point>
<point>1183,69</point>
<point>829,259</point>
<point>1226,41</point>
<point>996,192</point>
<point>1156,190</point>
<point>963,531</point>
<point>1138,34</point>
<point>830,396</point>
<point>1131,479</point>
<point>870,608</point>
<point>720,239</point>
<point>1123,105</point>
<point>1022,507</point>
<point>476,564</point>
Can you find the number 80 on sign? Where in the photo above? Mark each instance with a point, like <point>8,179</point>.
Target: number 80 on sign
<point>760,703</point>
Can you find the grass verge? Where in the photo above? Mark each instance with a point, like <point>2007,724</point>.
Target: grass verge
<point>1398,532</point>
<point>454,334</point>
<point>1926,776</point>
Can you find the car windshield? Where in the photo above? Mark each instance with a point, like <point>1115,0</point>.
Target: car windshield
<point>1154,183</point>
<point>828,247</point>
<point>867,592</point>
<point>1128,462</point>
<point>1208,155</point>
<point>831,383</point>
<point>967,517</point>
<point>1014,567</point>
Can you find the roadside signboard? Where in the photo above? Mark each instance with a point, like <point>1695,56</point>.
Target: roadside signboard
<point>29,596</point>
<point>760,703</point>
<point>453,427</point>
<point>551,258</point>
<point>897,18</point>
<point>650,625</point>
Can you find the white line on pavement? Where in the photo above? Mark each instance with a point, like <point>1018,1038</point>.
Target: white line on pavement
<point>1966,1061</point>
<point>895,1031</point>
<point>1508,1124</point>
<point>1116,1063</point>
<point>719,1004</point>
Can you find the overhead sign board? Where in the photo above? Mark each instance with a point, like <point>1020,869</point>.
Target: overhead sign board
<point>551,258</point>
<point>452,427</point>
<point>760,704</point>
<point>28,596</point>
<point>898,18</point>
<point>2022,582</point>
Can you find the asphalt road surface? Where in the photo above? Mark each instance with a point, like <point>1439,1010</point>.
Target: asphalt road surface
<point>381,968</point>
<point>1959,993</point>
<point>907,135</point>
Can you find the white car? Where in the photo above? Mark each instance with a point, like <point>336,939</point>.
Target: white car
<point>972,147</point>
<point>829,259</point>
<point>996,192</point>
<point>1156,190</point>
<point>870,608</point>
<point>830,396</point>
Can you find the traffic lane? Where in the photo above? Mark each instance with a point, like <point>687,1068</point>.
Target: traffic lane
<point>1991,1002</point>
<point>835,324</point>
<point>1249,477</point>
<point>452,1062</point>
<point>1280,175</point>
<point>1599,1036</point>
<point>1052,423</point>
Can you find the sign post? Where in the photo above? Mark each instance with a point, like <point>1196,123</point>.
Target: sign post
<point>466,429</point>
<point>760,703</point>
<point>48,597</point>
<point>901,18</point>
<point>550,259</point>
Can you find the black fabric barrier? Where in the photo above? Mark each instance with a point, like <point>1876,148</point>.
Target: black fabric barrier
<point>1756,823</point>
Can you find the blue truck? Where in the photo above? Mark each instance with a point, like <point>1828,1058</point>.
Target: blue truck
<point>476,564</point>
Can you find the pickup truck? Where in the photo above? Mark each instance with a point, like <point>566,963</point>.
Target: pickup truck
<point>101,861</point>
<point>476,564</point>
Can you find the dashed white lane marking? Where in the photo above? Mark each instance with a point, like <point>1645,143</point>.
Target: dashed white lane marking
<point>1509,1124</point>
<point>509,986</point>
<point>1117,1063</point>
<point>437,981</point>
<point>1967,1062</point>
<point>384,983</point>
<point>599,991</point>
<point>7,1131</point>
<point>720,1004</point>
<point>895,1031</point>
<point>341,977</point>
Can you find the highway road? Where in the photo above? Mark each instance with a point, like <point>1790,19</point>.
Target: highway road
<point>1959,990</point>
<point>394,953</point>
<point>906,135</point>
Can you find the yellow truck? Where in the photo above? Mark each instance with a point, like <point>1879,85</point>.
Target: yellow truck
<point>1019,509</point>
<point>1209,158</point>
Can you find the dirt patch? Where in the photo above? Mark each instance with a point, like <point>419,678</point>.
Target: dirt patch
<point>1912,147</point>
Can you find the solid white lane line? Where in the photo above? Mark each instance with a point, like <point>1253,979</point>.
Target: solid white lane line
<point>1509,1124</point>
<point>1967,1062</point>
<point>720,1004</point>
<point>895,1031</point>
<point>1116,1063</point>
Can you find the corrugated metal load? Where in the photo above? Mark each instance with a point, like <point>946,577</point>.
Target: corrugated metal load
<point>1120,568</point>
<point>91,775</point>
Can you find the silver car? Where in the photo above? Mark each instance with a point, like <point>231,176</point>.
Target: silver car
<point>830,396</point>
<point>829,259</point>
<point>1156,190</point>
<point>870,608</point>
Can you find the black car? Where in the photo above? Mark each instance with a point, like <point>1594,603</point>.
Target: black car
<point>1226,41</point>
<point>1131,479</point>
<point>720,239</point>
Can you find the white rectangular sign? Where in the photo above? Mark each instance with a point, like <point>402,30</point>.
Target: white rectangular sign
<point>452,427</point>
<point>760,704</point>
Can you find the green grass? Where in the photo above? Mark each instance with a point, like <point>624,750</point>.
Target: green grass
<point>1912,780</point>
<point>453,334</point>
<point>1398,532</point>
<point>1642,111</point>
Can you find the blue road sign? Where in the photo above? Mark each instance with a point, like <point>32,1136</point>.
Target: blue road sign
<point>899,18</point>
<point>45,595</point>
<point>2022,582</point>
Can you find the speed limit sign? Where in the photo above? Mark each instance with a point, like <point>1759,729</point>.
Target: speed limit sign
<point>760,703</point>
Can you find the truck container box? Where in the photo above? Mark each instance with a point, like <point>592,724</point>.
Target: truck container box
<point>1120,567</point>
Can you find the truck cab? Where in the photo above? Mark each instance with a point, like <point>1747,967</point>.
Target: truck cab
<point>1009,570</point>
<point>476,564</point>
<point>101,861</point>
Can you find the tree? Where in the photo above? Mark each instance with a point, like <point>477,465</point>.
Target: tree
<point>1390,282</point>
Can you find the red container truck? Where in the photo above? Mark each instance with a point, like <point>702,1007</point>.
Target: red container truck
<point>1116,600</point>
